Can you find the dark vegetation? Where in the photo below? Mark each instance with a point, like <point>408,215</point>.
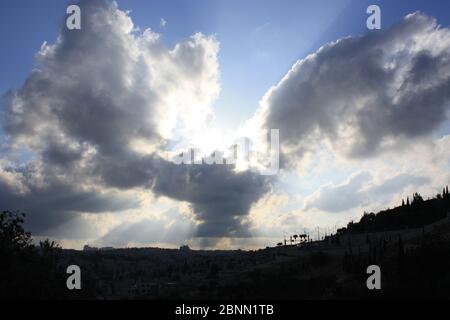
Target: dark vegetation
<point>418,268</point>
<point>413,213</point>
<point>28,271</point>
<point>419,272</point>
<point>422,272</point>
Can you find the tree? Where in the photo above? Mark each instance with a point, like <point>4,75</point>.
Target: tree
<point>13,236</point>
<point>27,271</point>
<point>417,198</point>
<point>48,246</point>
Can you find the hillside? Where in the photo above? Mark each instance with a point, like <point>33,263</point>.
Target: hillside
<point>413,213</point>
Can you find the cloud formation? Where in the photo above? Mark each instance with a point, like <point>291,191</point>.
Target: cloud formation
<point>93,119</point>
<point>360,190</point>
<point>364,95</point>
<point>93,123</point>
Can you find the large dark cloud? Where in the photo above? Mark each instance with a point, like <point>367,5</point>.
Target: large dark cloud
<point>96,92</point>
<point>365,94</point>
<point>50,202</point>
<point>220,197</point>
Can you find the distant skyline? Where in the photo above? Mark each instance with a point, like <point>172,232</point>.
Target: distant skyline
<point>90,118</point>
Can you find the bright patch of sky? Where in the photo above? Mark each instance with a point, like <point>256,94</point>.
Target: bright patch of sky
<point>259,42</point>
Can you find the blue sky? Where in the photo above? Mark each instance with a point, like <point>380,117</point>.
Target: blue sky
<point>407,145</point>
<point>260,40</point>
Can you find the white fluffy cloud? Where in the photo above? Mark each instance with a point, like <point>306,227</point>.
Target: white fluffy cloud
<point>366,108</point>
<point>358,191</point>
<point>108,87</point>
<point>95,117</point>
<point>364,94</point>
<point>88,132</point>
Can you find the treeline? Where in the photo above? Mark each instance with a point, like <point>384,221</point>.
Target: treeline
<point>415,212</point>
<point>27,270</point>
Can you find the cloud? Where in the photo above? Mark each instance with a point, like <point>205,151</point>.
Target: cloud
<point>220,197</point>
<point>337,198</point>
<point>95,116</point>
<point>364,95</point>
<point>50,202</point>
<point>106,86</point>
<point>91,128</point>
<point>395,184</point>
<point>359,190</point>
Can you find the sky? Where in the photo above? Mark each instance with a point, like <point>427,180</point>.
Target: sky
<point>90,118</point>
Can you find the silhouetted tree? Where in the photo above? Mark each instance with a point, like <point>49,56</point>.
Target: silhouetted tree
<point>27,271</point>
<point>417,198</point>
<point>13,237</point>
<point>414,214</point>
